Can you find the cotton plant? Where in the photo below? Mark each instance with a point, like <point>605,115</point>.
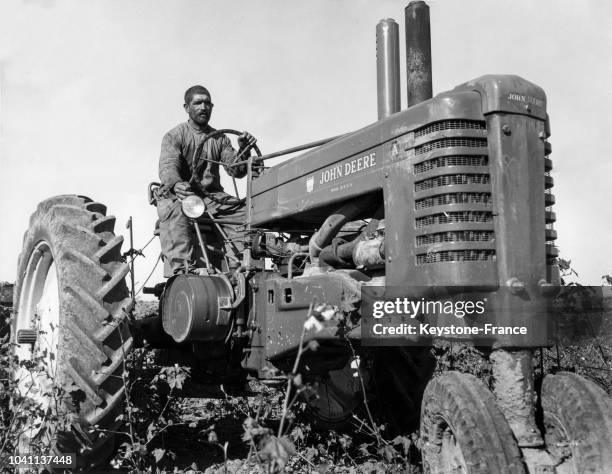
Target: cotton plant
<point>319,315</point>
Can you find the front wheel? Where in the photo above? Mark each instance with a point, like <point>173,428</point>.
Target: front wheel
<point>578,423</point>
<point>463,430</point>
<point>70,331</point>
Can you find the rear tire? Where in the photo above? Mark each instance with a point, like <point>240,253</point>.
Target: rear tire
<point>463,430</point>
<point>578,423</point>
<point>71,295</point>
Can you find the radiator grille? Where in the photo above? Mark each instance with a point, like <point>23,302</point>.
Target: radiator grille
<point>443,161</point>
<point>451,180</point>
<point>449,125</point>
<point>467,225</point>
<point>451,142</point>
<point>459,236</point>
<point>453,198</point>
<point>455,256</point>
<point>452,217</point>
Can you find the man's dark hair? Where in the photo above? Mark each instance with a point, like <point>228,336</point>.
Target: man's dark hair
<point>189,93</point>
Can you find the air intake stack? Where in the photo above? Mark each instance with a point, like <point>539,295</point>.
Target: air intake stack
<point>418,60</point>
<point>418,52</point>
<point>387,68</point>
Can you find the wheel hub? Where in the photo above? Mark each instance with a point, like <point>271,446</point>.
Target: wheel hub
<point>337,395</point>
<point>37,335</point>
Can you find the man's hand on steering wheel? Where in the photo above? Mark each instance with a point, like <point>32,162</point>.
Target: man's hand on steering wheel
<point>245,139</point>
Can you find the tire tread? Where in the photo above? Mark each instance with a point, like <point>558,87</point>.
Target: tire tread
<point>482,432</point>
<point>94,309</point>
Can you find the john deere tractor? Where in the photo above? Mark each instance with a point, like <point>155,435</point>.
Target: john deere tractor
<point>453,192</point>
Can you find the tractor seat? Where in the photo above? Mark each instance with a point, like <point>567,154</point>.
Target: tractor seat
<point>152,194</point>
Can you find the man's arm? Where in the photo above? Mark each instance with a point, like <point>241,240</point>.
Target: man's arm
<point>170,167</point>
<point>169,161</point>
<point>228,157</point>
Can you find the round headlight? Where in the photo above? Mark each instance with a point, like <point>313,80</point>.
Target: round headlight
<point>193,206</point>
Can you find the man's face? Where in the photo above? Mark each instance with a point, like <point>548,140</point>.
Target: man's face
<point>199,109</point>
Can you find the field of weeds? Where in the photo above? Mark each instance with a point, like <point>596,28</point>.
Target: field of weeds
<point>175,421</point>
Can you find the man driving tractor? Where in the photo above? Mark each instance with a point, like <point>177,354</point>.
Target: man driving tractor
<point>182,174</point>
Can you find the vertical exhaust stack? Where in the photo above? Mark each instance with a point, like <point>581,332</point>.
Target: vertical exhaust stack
<point>387,68</point>
<point>418,52</point>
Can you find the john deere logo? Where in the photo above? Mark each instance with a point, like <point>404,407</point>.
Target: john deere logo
<point>310,184</point>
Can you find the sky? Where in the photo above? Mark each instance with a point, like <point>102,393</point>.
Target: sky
<point>87,90</point>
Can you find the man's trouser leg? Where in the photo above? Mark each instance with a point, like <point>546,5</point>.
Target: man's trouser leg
<point>175,235</point>
<point>235,232</point>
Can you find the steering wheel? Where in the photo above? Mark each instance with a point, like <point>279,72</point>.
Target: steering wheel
<point>199,162</point>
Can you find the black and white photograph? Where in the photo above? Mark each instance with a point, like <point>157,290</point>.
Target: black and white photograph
<point>334,236</point>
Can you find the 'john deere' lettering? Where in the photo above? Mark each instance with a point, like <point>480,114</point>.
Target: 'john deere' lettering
<point>353,166</point>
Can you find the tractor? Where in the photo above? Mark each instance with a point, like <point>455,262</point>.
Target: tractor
<point>453,192</point>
